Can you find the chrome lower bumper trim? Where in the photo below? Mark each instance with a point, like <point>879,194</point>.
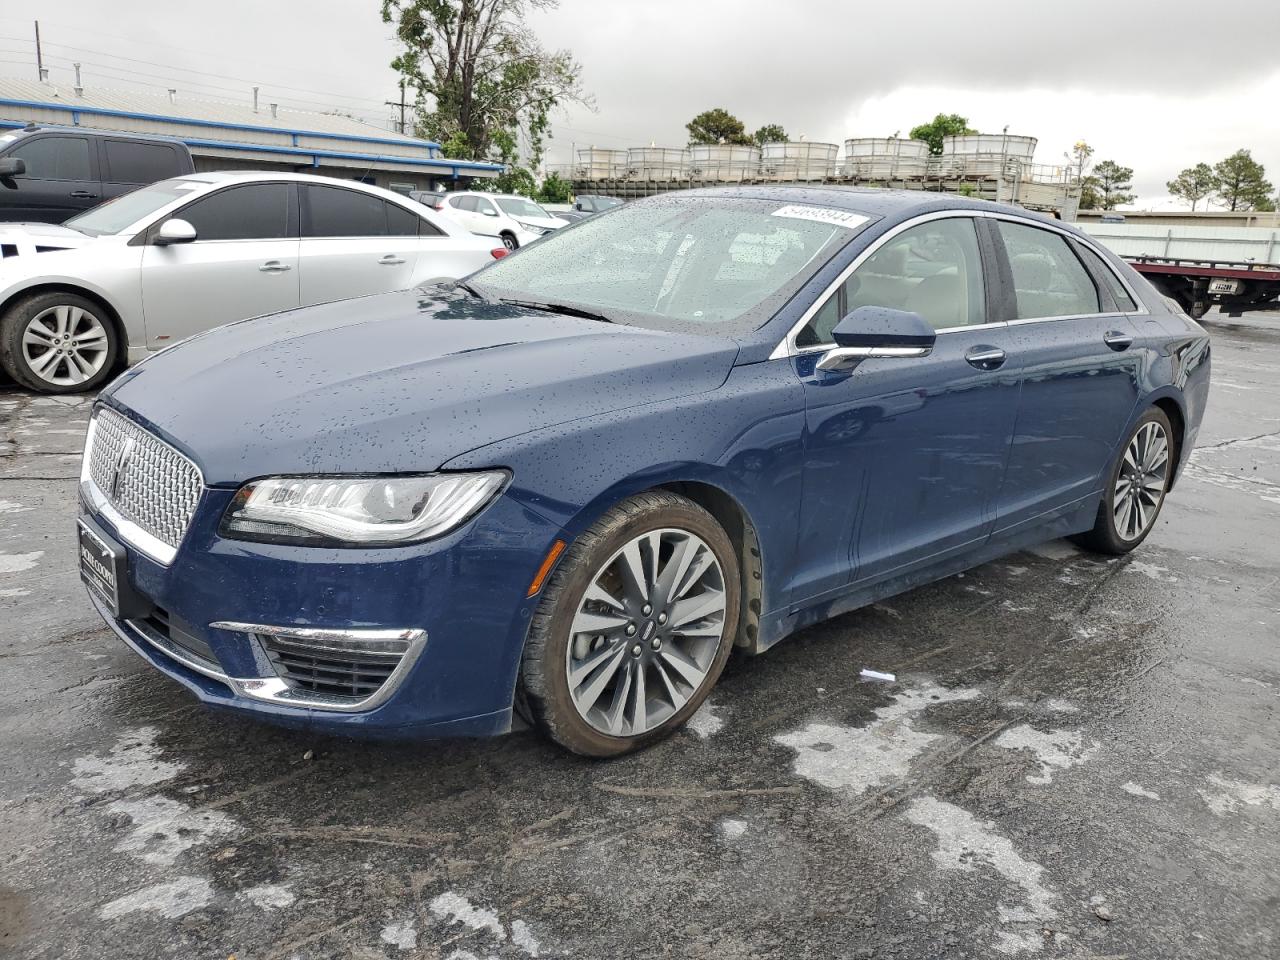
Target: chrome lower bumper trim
<point>273,689</point>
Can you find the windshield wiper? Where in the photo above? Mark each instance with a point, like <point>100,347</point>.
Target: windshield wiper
<point>566,309</point>
<point>463,285</point>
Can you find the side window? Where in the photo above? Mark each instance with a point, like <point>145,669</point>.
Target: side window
<point>934,269</point>
<point>134,162</point>
<point>401,222</point>
<point>55,158</point>
<point>257,211</point>
<point>1048,278</point>
<point>1124,302</point>
<point>484,206</point>
<point>464,203</point>
<point>336,212</point>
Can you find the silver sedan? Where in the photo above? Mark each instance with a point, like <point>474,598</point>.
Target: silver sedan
<point>169,260</point>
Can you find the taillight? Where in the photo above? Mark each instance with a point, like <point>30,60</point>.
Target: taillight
<point>498,252</point>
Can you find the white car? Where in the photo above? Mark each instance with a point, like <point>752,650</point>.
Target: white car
<point>155,266</point>
<point>513,219</point>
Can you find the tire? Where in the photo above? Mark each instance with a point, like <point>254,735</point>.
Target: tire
<point>1118,530</point>
<point>639,646</point>
<point>36,328</point>
<point>509,241</point>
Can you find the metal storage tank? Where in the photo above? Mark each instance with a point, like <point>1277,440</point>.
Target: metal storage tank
<point>983,154</point>
<point>880,158</point>
<point>657,163</point>
<point>799,160</point>
<point>597,164</point>
<point>725,162</point>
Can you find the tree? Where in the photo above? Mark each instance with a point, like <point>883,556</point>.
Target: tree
<point>1108,186</point>
<point>1194,184</point>
<point>555,190</point>
<point>770,133</point>
<point>482,79</point>
<point>940,127</point>
<point>514,179</point>
<point>1242,183</point>
<point>717,125</point>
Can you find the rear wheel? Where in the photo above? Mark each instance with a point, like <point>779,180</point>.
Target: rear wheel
<point>634,627</point>
<point>58,343</point>
<point>1136,489</point>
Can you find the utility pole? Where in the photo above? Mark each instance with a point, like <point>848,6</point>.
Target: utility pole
<point>401,104</point>
<point>41,72</point>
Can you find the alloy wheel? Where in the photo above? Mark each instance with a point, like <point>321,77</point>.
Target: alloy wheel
<point>1141,481</point>
<point>646,632</point>
<point>65,345</point>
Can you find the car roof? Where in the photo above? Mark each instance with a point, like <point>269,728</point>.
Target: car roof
<point>87,131</point>
<point>870,201</point>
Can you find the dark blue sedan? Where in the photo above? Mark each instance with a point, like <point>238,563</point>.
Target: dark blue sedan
<point>570,485</point>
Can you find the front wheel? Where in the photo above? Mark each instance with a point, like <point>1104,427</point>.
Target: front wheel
<point>58,343</point>
<point>510,242</point>
<point>1136,488</point>
<point>633,628</point>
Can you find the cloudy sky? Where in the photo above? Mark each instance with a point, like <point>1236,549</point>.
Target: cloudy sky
<point>1156,85</point>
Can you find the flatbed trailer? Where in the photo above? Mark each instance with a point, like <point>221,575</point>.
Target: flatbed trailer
<point>1234,287</point>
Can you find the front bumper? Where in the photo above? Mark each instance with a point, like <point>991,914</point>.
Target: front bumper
<point>465,592</point>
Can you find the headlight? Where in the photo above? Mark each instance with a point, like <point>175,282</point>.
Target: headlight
<point>533,228</point>
<point>358,511</point>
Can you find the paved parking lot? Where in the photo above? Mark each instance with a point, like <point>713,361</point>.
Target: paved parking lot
<point>1080,758</point>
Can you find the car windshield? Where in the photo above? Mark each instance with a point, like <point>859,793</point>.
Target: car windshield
<point>520,207</point>
<point>678,263</point>
<point>603,203</point>
<point>114,215</point>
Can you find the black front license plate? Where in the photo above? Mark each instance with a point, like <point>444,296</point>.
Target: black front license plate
<point>102,564</point>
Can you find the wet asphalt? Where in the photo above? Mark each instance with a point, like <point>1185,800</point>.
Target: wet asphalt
<point>1080,758</point>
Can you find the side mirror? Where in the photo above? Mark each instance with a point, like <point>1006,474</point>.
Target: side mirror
<point>174,230</point>
<point>12,166</point>
<point>870,332</point>
<point>489,212</point>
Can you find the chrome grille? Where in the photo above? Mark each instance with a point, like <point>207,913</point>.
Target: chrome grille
<point>332,670</point>
<point>154,486</point>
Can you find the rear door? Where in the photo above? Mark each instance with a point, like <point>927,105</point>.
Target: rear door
<point>128,164</point>
<point>1079,371</point>
<point>61,179</point>
<point>243,262</point>
<point>348,246</point>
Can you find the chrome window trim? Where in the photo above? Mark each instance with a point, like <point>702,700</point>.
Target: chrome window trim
<point>131,533</point>
<point>787,346</point>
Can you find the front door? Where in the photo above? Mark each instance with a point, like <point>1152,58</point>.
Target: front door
<point>243,263</point>
<point>904,457</point>
<point>1079,360</point>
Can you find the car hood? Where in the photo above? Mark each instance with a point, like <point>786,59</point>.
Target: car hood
<point>27,238</point>
<point>399,382</point>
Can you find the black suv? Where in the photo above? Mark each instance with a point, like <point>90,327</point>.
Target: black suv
<point>48,174</point>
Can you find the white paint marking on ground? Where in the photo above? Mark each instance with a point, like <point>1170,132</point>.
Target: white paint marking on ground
<point>1230,795</point>
<point>1138,791</point>
<point>860,758</point>
<point>523,938</point>
<point>1055,550</point>
<point>732,829</point>
<point>18,562</point>
<point>704,721</point>
<point>133,761</point>
<point>1054,750</point>
<point>15,592</point>
<point>268,896</point>
<point>164,828</point>
<point>171,900</point>
<point>403,935</point>
<point>1151,570</point>
<point>12,506</point>
<point>458,909</point>
<point>964,843</point>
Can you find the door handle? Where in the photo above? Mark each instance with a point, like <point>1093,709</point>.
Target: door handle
<point>1117,340</point>
<point>985,358</point>
<point>83,195</point>
<point>274,266</point>
<point>391,260</point>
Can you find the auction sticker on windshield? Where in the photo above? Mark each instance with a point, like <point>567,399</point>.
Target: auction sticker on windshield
<point>839,218</point>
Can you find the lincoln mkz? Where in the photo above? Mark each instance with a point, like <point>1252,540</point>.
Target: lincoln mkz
<point>566,487</point>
